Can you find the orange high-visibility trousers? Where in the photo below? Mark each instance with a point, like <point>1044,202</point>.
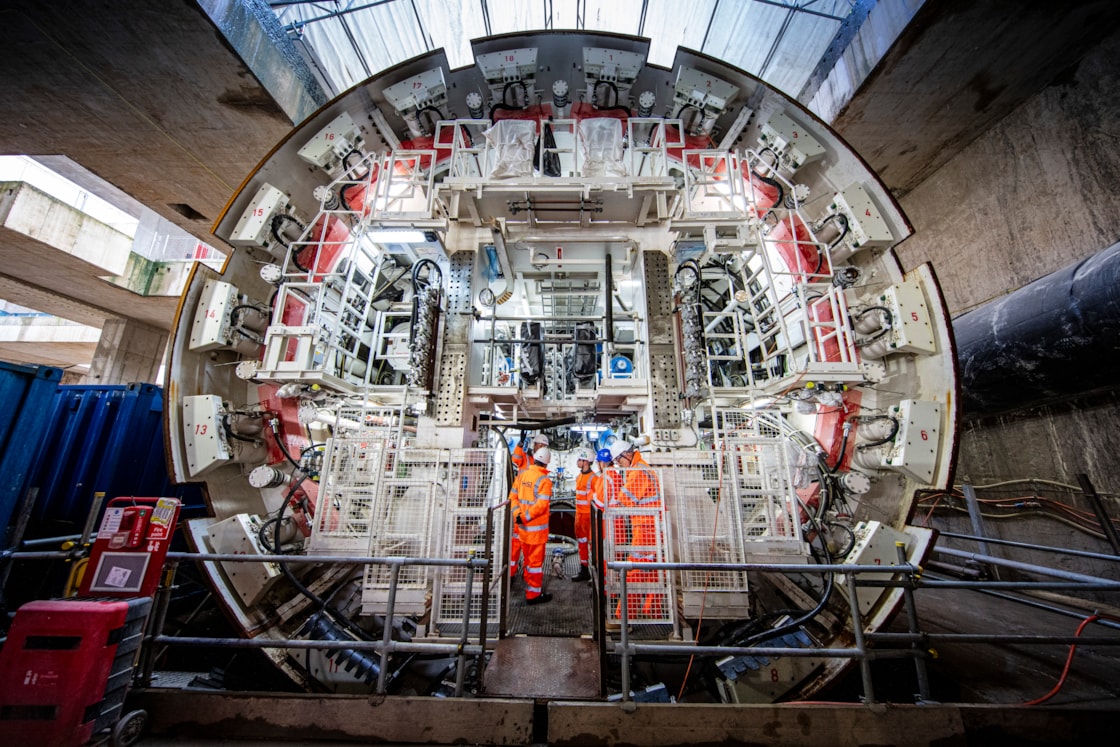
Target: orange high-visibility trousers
<point>583,536</point>
<point>639,605</point>
<point>514,552</point>
<point>534,569</point>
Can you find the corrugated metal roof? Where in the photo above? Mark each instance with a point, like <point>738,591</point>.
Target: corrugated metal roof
<point>780,41</point>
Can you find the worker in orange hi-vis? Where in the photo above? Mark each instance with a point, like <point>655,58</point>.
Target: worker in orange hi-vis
<point>522,463</point>
<point>611,500</point>
<point>585,486</point>
<point>641,490</point>
<point>534,503</point>
<point>612,496</point>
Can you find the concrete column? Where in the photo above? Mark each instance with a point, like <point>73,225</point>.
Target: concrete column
<point>128,351</point>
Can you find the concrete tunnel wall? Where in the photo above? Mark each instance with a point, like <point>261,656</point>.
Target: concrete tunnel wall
<point>1037,192</point>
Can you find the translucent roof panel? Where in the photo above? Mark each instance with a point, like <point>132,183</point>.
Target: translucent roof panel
<point>671,24</point>
<point>359,41</point>
<point>514,15</point>
<point>780,41</point>
<point>749,35</point>
<point>452,24</point>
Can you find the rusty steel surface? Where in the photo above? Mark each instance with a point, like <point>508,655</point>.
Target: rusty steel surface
<point>526,667</point>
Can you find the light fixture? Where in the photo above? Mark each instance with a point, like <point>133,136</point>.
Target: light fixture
<point>761,403</point>
<point>396,236</point>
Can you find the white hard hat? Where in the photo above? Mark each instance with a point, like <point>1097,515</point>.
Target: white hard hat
<point>541,439</point>
<point>618,448</point>
<point>542,455</point>
<point>585,455</point>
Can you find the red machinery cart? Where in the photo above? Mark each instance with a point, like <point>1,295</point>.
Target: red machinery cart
<point>67,663</point>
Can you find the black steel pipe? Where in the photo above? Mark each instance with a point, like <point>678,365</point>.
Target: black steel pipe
<point>1107,526</point>
<point>1031,546</point>
<point>1055,338</point>
<point>608,301</point>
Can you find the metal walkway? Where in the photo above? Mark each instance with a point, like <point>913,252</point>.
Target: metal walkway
<point>538,667</point>
<point>569,614</point>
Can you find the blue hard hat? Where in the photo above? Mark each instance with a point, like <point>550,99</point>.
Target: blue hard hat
<point>603,455</point>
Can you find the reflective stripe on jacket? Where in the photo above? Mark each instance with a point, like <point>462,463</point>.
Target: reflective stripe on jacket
<point>584,487</point>
<point>609,488</point>
<point>534,499</point>
<point>641,487</point>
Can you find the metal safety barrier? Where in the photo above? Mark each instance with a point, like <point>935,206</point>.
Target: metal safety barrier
<point>910,579</point>
<point>907,576</point>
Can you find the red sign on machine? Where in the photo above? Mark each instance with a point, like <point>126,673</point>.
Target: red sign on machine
<point>130,548</point>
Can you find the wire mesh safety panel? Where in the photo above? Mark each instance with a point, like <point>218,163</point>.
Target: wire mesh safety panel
<point>699,494</point>
<point>635,529</point>
<point>763,492</point>
<point>387,501</point>
<point>412,483</point>
<point>474,483</point>
<point>348,489</point>
<point>353,465</point>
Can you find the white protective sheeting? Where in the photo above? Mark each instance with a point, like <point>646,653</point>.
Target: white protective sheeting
<point>601,139</point>
<point>510,142</point>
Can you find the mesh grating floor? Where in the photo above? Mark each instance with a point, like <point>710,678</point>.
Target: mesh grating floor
<point>569,614</point>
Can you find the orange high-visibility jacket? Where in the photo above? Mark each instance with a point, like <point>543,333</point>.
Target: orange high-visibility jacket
<point>534,501</point>
<point>584,488</point>
<point>641,490</point>
<point>608,488</point>
<point>519,458</point>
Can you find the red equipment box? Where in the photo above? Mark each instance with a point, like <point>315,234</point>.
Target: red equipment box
<point>130,547</point>
<point>65,668</point>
